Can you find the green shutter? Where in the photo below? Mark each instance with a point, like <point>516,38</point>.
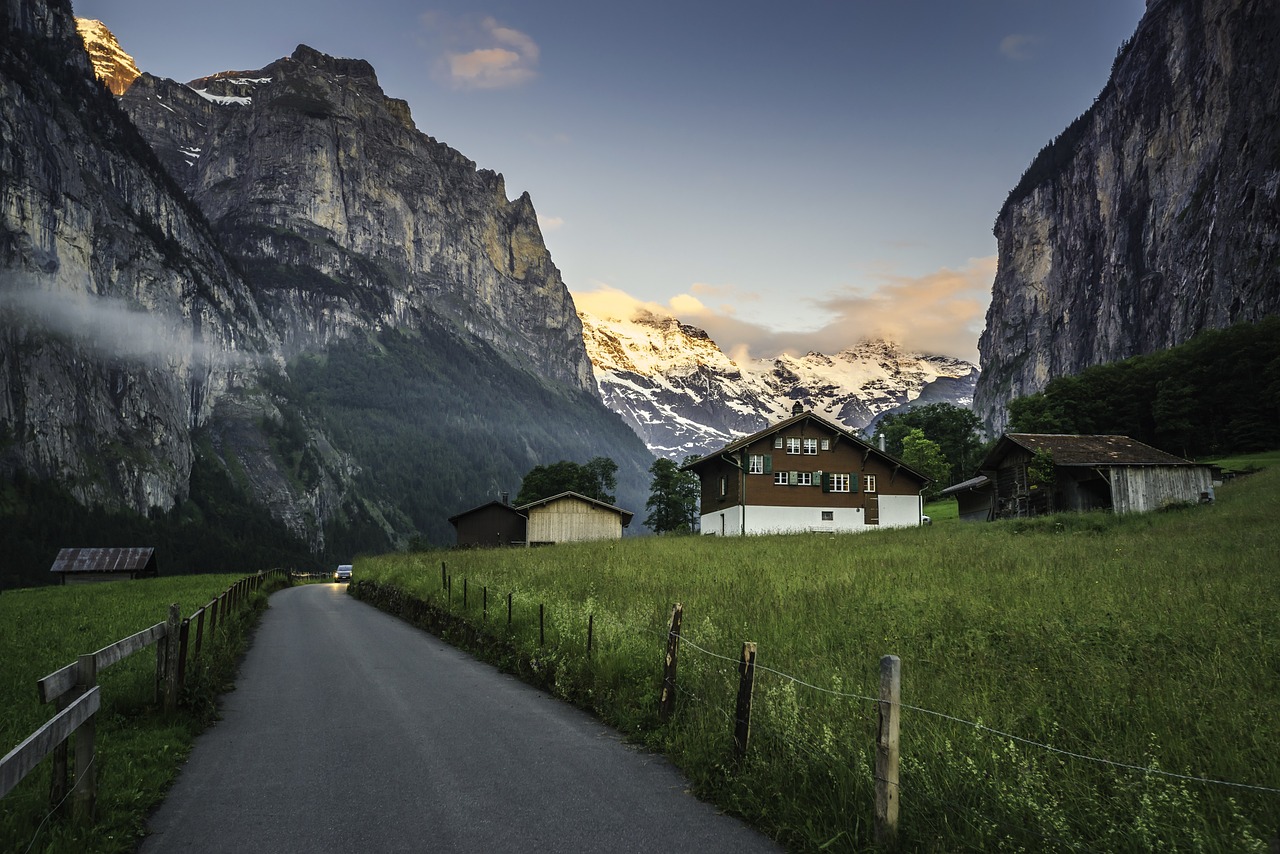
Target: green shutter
<point>768,463</point>
<point>793,478</point>
<point>826,481</point>
<point>853,482</point>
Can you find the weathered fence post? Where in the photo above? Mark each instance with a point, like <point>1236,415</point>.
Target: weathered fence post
<point>509,609</point>
<point>213,617</point>
<point>464,593</point>
<point>58,785</point>
<point>185,634</point>
<point>85,793</point>
<point>173,648</point>
<point>199,632</point>
<point>591,628</point>
<point>484,606</point>
<point>444,576</point>
<point>746,683</point>
<point>667,699</point>
<point>889,707</point>
<point>542,633</point>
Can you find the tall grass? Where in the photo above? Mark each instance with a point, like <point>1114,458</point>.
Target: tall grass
<point>139,749</point>
<point>1151,641</point>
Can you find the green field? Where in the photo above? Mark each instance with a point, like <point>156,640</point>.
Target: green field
<point>1150,641</point>
<point>139,749</point>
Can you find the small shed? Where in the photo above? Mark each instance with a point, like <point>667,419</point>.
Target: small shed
<point>973,497</point>
<point>494,524</point>
<point>1037,473</point>
<point>570,517</point>
<point>82,566</point>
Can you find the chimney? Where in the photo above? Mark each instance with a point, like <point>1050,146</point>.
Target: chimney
<point>506,497</point>
<point>796,408</point>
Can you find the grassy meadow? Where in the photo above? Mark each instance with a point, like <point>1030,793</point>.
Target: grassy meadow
<point>139,749</point>
<point>1150,641</point>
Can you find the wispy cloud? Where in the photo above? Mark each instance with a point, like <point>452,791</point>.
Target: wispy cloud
<point>938,313</point>
<point>494,56</point>
<point>1019,46</point>
<point>550,223</point>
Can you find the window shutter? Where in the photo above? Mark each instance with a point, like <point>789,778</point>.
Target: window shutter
<point>793,478</point>
<point>853,482</point>
<point>826,482</point>
<point>768,463</point>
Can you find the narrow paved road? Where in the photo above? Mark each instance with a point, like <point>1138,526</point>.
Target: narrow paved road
<point>350,731</point>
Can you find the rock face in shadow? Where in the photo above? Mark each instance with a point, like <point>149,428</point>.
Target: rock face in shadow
<point>1155,215</point>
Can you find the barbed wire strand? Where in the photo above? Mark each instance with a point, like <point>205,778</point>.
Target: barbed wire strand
<point>58,805</point>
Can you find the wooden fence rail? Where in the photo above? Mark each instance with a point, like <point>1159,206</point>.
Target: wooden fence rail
<point>75,692</point>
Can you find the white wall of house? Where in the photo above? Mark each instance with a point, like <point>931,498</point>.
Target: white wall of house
<point>896,511</point>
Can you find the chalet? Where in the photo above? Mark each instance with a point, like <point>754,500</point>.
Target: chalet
<point>805,474</point>
<point>80,566</point>
<point>1034,473</point>
<point>570,517</point>
<point>567,517</point>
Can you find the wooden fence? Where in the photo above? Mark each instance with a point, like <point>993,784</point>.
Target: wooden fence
<point>74,691</point>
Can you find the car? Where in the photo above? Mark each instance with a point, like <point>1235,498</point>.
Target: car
<point>343,573</point>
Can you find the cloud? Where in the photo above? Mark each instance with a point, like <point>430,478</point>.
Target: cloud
<point>501,57</point>
<point>550,223</point>
<point>938,313</point>
<point>1018,46</point>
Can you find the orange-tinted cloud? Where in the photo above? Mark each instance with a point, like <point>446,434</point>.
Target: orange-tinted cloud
<point>503,57</point>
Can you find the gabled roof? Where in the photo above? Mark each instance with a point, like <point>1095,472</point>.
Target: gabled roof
<point>541,502</point>
<point>739,444</point>
<point>453,520</point>
<point>1085,450</point>
<point>974,483</point>
<point>103,560</point>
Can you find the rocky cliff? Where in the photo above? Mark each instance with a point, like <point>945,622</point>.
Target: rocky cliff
<point>1155,215</point>
<point>683,395</point>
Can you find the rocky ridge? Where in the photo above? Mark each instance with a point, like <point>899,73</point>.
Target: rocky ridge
<point>683,395</point>
<point>111,64</point>
<point>1155,215</point>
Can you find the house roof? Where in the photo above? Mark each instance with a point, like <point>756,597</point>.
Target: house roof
<point>974,483</point>
<point>739,444</point>
<point>1085,450</point>
<point>102,560</point>
<point>625,514</point>
<point>453,520</point>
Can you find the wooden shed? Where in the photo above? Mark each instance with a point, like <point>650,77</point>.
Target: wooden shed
<point>81,566</point>
<point>494,524</point>
<point>973,498</point>
<point>570,517</point>
<point>1037,473</point>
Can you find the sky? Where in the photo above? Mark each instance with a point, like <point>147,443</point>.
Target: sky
<point>788,176</point>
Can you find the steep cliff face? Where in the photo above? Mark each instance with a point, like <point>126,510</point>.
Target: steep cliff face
<point>1155,215</point>
<point>683,395</point>
<point>347,219</point>
<point>115,68</point>
<point>121,322</point>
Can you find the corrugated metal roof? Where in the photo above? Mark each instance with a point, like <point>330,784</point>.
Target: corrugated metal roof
<point>1094,450</point>
<point>102,560</point>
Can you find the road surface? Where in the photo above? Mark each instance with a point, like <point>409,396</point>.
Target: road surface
<point>350,731</point>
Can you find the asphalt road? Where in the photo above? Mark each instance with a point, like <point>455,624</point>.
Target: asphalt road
<point>350,731</point>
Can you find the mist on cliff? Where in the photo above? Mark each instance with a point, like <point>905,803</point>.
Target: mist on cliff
<point>113,327</point>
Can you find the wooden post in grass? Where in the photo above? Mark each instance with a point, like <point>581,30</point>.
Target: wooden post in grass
<point>85,793</point>
<point>173,648</point>
<point>889,707</point>
<point>742,716</point>
<point>667,699</point>
<point>542,631</point>
<point>184,635</point>
<point>464,593</point>
<point>508,609</point>
<point>444,576</point>
<point>484,608</point>
<point>199,631</point>
<point>591,628</point>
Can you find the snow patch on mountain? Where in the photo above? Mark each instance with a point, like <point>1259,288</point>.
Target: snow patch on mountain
<point>683,395</point>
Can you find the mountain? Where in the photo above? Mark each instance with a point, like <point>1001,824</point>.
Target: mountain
<point>272,282</point>
<point>111,64</point>
<point>1154,215</point>
<point>682,395</point>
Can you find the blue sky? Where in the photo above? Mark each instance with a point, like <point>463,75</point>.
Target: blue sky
<point>788,176</point>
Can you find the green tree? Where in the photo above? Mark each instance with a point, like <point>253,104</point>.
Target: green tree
<point>596,479</point>
<point>956,431</point>
<point>925,456</point>
<point>673,502</point>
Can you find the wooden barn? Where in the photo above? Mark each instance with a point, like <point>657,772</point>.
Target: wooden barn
<point>494,524</point>
<point>1037,473</point>
<point>570,517</point>
<point>973,498</point>
<point>81,566</point>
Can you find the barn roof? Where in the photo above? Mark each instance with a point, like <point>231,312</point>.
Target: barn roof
<point>103,560</point>
<point>626,514</point>
<point>972,483</point>
<point>1085,450</point>
<point>502,505</point>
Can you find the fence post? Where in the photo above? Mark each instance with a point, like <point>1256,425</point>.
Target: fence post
<point>199,631</point>
<point>58,785</point>
<point>886,819</point>
<point>213,618</point>
<point>185,635</point>
<point>444,576</point>
<point>746,683</point>
<point>509,609</point>
<point>667,699</point>
<point>85,795</point>
<point>484,611</point>
<point>173,648</point>
<point>542,634</point>
<point>591,627</point>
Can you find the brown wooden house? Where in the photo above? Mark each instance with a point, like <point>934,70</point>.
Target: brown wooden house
<point>563,518</point>
<point>805,474</point>
<point>494,524</point>
<point>1088,472</point>
<point>80,566</point>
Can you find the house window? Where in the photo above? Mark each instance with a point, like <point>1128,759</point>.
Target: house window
<point>780,478</point>
<point>828,515</point>
<point>826,444</point>
<point>724,486</point>
<point>869,483</point>
<point>839,483</point>
<point>777,441</point>
<point>793,445</point>
<point>804,478</point>
<point>811,447</point>
<point>758,464</point>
